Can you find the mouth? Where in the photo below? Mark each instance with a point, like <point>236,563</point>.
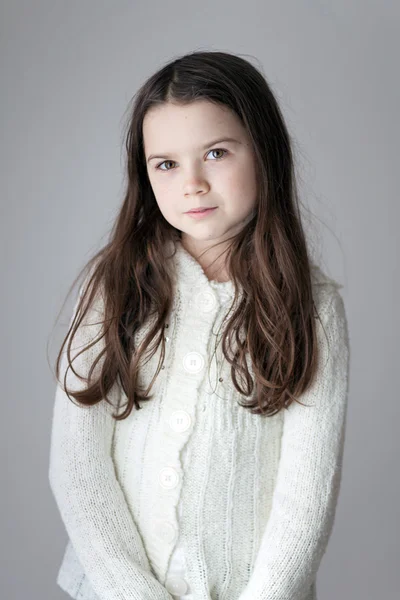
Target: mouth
<point>201,214</point>
<point>200,210</point>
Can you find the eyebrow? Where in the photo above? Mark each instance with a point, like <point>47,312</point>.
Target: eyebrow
<point>218,141</point>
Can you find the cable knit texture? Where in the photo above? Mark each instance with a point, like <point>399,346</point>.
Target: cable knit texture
<point>248,501</point>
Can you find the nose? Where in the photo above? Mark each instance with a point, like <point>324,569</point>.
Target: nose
<point>194,182</point>
<point>195,187</point>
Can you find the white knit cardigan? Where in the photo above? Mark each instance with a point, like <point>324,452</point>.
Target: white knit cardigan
<point>257,496</point>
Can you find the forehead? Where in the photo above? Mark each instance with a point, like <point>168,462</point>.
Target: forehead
<point>168,125</point>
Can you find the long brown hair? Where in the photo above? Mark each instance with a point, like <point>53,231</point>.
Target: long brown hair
<point>129,280</point>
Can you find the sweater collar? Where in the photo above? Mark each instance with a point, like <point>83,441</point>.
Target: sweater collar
<point>190,274</point>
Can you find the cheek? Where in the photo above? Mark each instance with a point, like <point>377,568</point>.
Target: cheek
<point>243,186</point>
<point>163,195</point>
<point>166,205</point>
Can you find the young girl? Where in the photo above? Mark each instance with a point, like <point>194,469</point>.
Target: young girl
<point>199,417</point>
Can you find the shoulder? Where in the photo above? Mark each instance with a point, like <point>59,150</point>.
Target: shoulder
<point>320,279</point>
<point>332,324</point>
<point>326,291</point>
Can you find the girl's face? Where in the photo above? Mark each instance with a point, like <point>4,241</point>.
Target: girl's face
<point>191,163</point>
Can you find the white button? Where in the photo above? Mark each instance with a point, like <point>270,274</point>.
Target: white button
<point>205,301</point>
<point>165,531</point>
<point>176,586</point>
<point>168,477</point>
<point>193,362</point>
<point>180,420</point>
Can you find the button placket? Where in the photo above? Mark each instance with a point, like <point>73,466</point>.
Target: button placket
<point>169,478</point>
<point>180,421</point>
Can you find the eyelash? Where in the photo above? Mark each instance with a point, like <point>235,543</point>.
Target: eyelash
<point>212,150</point>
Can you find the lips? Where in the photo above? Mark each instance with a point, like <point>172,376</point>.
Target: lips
<point>201,209</point>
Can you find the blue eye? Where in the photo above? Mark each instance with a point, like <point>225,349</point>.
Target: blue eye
<point>171,161</point>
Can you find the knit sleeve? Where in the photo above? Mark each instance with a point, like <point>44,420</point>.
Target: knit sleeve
<point>309,472</point>
<point>88,495</point>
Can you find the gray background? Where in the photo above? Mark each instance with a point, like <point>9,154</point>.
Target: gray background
<point>68,70</point>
